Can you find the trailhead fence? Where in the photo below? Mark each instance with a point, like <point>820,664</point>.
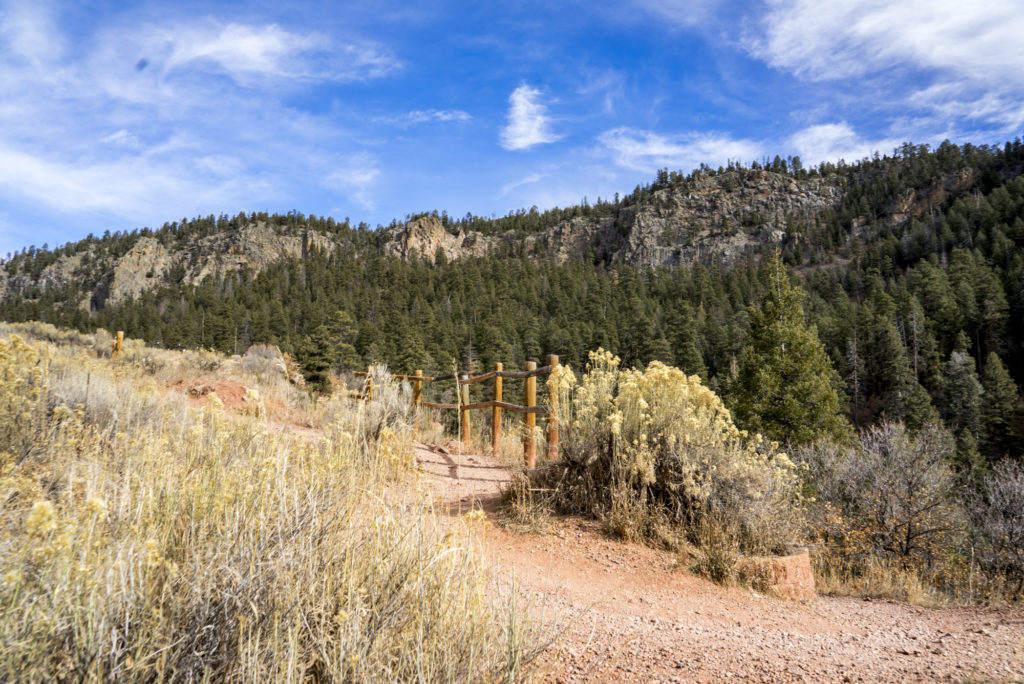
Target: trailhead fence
<point>529,409</point>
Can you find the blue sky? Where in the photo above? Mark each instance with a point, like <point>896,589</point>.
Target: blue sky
<point>115,116</point>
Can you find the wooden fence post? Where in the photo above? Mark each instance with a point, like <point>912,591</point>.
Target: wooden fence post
<point>118,343</point>
<point>464,390</point>
<point>496,412</point>
<point>369,384</point>
<point>417,396</point>
<point>552,416</point>
<point>529,446</point>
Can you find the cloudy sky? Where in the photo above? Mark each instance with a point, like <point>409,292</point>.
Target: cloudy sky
<point>115,116</point>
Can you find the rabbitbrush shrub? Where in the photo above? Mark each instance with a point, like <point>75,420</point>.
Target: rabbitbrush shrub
<point>655,454</point>
<point>144,540</point>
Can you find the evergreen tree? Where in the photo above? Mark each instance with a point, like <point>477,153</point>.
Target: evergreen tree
<point>787,388</point>
<point>1000,412</point>
<point>963,393</point>
<point>317,353</point>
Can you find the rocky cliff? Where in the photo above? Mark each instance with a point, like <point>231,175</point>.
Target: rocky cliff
<point>149,264</point>
<point>701,218</point>
<point>711,216</point>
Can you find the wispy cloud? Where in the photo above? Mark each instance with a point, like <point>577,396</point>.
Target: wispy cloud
<point>648,151</point>
<point>961,51</point>
<point>133,187</point>
<point>424,116</point>
<point>682,12</point>
<point>852,37</point>
<point>355,178</point>
<point>528,121</point>
<point>245,52</point>
<point>528,180</point>
<point>122,138</point>
<point>834,141</point>
<point>609,84</point>
<point>140,123</point>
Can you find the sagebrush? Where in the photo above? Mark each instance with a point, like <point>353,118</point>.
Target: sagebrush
<point>142,539</point>
<point>655,454</point>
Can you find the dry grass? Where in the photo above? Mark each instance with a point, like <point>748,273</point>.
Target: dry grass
<point>877,578</point>
<point>525,508</point>
<point>142,539</point>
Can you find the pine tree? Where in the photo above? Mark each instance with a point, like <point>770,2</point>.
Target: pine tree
<point>1000,412</point>
<point>317,353</point>
<point>787,388</point>
<point>963,393</point>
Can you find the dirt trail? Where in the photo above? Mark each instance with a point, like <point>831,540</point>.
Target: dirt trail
<point>639,619</point>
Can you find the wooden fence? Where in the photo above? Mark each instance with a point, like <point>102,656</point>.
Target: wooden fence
<point>530,408</point>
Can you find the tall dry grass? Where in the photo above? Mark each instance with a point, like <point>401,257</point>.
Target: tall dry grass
<point>142,539</point>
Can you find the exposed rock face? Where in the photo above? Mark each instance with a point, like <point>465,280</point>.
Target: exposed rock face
<point>425,235</point>
<point>716,216</point>
<point>141,268</point>
<point>255,246</point>
<point>706,217</point>
<point>149,264</point>
<point>916,202</point>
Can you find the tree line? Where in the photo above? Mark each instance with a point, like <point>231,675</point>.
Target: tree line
<point>919,316</point>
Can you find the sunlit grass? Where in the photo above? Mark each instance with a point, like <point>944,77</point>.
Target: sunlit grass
<point>141,538</point>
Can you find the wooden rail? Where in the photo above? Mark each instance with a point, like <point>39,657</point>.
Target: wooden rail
<point>529,409</point>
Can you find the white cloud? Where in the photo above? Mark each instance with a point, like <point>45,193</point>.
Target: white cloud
<point>246,52</point>
<point>528,122</point>
<point>355,178</point>
<point>966,51</point>
<point>834,141</point>
<point>528,180</point>
<point>979,40</point>
<point>649,151</point>
<point>122,138</point>
<point>421,116</point>
<point>205,127</point>
<point>133,187</point>
<point>29,33</point>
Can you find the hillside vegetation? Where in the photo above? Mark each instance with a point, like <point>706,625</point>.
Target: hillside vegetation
<point>142,538</point>
<point>911,264</point>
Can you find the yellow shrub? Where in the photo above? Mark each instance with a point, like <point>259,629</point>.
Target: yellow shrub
<point>646,449</point>
<point>141,539</point>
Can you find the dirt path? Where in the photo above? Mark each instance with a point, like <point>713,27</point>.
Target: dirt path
<point>639,619</point>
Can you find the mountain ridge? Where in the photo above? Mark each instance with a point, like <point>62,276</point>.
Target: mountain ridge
<point>708,216</point>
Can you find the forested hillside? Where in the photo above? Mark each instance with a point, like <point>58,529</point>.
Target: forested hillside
<point>912,266</point>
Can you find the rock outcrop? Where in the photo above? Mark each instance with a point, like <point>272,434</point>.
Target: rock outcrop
<point>710,217</point>
<point>150,264</point>
<point>698,219</point>
<point>425,235</point>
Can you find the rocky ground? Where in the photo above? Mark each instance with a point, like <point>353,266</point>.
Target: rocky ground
<point>630,614</point>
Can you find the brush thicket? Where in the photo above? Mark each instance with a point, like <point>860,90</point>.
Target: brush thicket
<point>143,539</point>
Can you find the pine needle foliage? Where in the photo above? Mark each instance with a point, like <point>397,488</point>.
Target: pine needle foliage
<point>786,388</point>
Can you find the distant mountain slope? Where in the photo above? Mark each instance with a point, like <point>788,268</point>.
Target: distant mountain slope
<point>912,264</point>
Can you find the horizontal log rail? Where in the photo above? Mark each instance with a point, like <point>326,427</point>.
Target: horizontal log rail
<point>515,408</point>
<point>512,375</point>
<point>430,404</point>
<point>464,380</point>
